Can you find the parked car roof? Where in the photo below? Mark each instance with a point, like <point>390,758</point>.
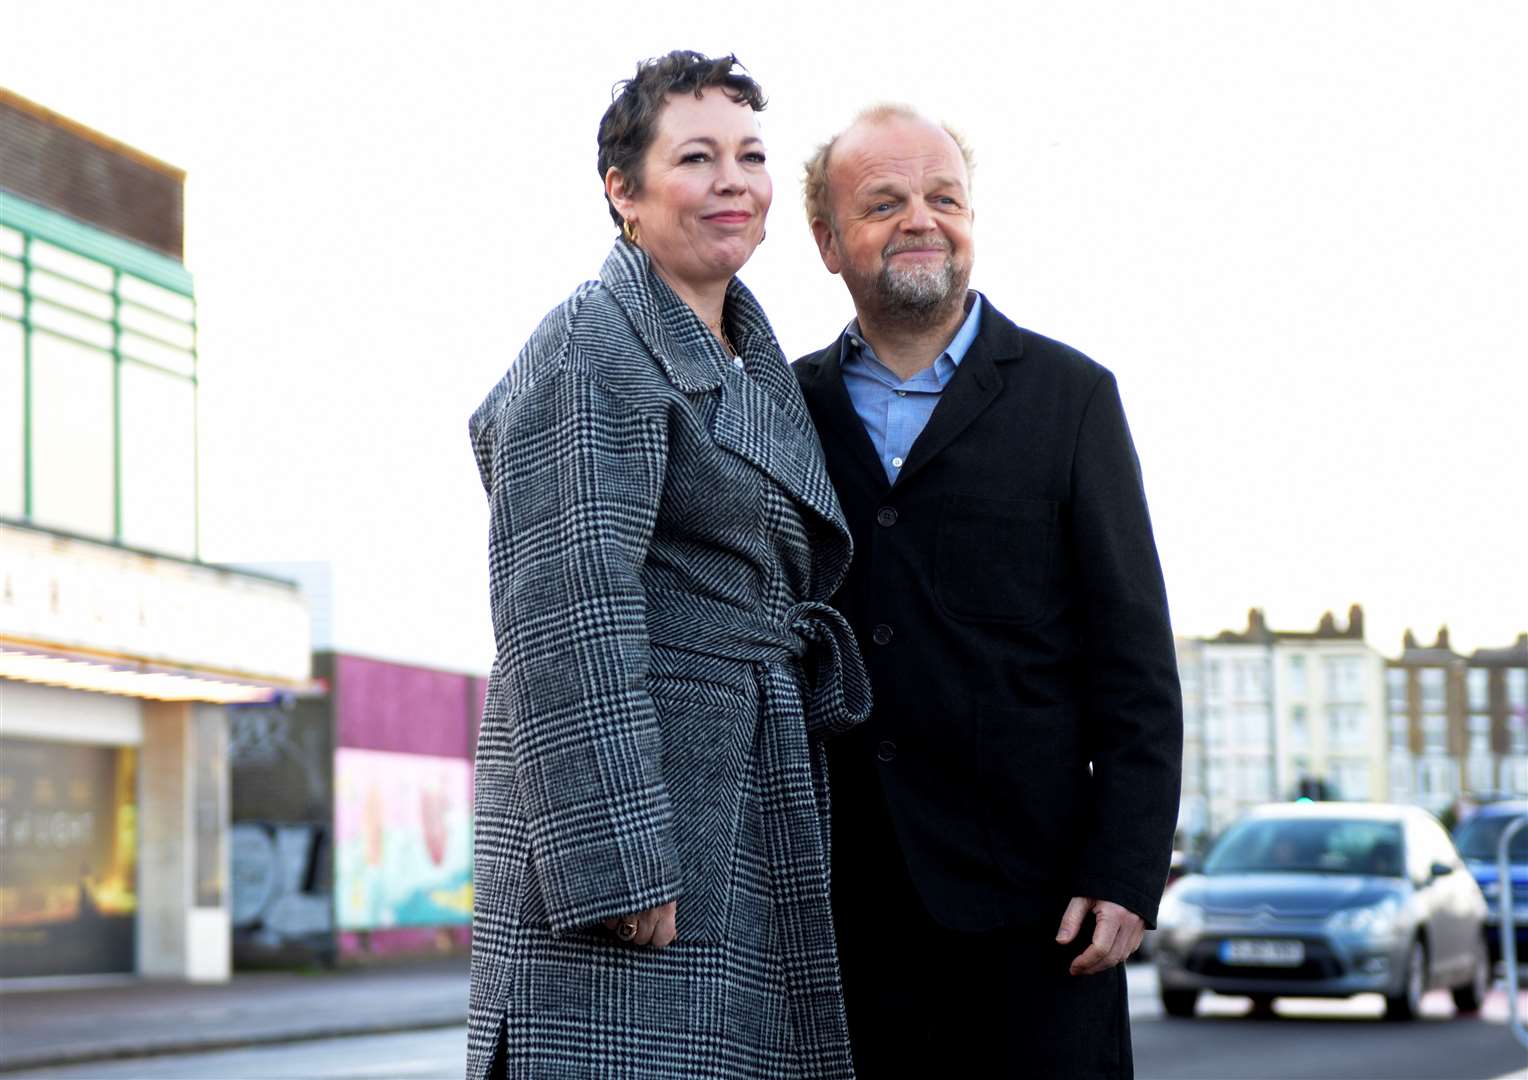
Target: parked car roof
<point>1352,810</point>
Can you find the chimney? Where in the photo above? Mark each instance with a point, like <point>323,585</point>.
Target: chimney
<point>1327,626</point>
<point>1356,622</point>
<point>1442,642</point>
<point>1255,624</point>
<point>1410,640</point>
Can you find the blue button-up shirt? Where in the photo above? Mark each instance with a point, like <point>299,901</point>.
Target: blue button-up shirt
<point>895,411</point>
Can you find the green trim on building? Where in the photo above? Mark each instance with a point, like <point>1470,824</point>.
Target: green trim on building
<point>92,243</point>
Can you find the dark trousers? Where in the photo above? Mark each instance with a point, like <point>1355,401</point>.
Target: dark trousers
<point>927,1001</point>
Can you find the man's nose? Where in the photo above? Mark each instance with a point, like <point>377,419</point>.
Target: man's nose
<point>918,218</point>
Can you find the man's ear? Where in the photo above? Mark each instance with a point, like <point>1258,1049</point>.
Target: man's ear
<point>618,189</point>
<point>827,245</point>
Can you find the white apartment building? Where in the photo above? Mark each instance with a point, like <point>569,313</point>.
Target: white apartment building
<point>1265,710</point>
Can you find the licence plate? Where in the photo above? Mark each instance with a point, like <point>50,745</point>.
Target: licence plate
<point>1262,952</point>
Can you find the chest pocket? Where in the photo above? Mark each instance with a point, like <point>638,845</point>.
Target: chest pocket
<point>997,560</point>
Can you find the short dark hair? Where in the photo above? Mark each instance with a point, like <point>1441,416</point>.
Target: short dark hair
<point>631,123</point>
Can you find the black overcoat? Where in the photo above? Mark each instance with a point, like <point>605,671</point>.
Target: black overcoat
<point>1026,736</point>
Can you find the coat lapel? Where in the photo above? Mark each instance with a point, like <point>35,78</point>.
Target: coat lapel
<point>823,384</point>
<point>976,382</point>
<point>760,415</point>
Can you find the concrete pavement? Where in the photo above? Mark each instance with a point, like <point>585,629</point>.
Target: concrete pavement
<point>138,1019</point>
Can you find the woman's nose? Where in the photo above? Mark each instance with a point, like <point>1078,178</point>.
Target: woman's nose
<point>729,177</point>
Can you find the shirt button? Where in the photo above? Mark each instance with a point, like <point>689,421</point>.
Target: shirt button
<point>737,362</point>
<point>886,516</point>
<point>885,750</point>
<point>881,635</point>
<point>901,393</point>
<point>896,463</point>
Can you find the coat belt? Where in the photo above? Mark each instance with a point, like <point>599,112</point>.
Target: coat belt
<point>835,695</point>
<point>837,689</point>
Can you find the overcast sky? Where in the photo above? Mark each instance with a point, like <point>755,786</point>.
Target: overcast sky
<point>1295,231</point>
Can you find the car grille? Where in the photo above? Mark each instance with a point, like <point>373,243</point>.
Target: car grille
<point>1320,963</point>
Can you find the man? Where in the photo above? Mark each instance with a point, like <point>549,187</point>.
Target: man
<point>1003,822</point>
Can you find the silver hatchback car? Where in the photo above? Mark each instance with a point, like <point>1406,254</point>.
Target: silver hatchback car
<point>1326,900</point>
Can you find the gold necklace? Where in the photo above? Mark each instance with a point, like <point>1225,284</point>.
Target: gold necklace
<point>726,341</point>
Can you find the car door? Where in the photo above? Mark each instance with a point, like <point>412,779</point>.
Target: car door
<point>1453,911</point>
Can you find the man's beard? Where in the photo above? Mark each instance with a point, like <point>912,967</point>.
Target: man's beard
<point>922,293</point>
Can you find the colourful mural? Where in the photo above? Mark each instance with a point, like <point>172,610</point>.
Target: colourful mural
<point>403,839</point>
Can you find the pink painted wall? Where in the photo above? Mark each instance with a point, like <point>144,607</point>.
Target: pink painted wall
<point>358,945</point>
<point>407,710</point>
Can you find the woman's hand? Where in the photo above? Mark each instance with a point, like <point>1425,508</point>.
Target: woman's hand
<point>654,927</point>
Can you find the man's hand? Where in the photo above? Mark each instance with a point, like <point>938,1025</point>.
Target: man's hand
<point>1117,933</point>
<point>655,926</point>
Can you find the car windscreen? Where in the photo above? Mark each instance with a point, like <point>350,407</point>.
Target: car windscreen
<point>1479,837</point>
<point>1309,846</point>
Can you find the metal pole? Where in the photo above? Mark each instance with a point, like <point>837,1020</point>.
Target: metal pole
<point>1509,927</point>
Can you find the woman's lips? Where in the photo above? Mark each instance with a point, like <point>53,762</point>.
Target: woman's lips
<point>730,217</point>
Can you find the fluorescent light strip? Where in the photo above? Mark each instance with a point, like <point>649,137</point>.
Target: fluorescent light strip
<point>103,679</point>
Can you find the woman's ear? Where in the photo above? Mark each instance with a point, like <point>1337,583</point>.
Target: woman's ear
<point>618,190</point>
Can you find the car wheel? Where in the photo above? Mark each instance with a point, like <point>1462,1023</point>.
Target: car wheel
<point>1472,995</point>
<point>1180,1003</point>
<point>1406,1004</point>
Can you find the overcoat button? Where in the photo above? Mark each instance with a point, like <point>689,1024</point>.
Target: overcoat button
<point>881,635</point>
<point>886,516</point>
<point>885,750</point>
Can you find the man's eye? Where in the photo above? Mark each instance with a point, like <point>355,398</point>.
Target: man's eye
<point>882,207</point>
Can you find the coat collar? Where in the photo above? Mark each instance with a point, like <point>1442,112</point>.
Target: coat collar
<point>760,415</point>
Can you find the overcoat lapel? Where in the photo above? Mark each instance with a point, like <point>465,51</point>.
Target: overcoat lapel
<point>838,422</point>
<point>760,415</point>
<point>975,384</point>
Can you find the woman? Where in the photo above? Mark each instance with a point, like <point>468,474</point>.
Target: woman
<point>651,871</point>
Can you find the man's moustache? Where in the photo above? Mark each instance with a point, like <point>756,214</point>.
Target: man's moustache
<point>916,245</point>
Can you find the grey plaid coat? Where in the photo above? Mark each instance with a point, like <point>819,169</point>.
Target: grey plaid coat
<point>663,536</point>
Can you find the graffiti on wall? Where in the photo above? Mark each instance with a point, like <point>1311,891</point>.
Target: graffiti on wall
<point>279,895</point>
<point>403,843</point>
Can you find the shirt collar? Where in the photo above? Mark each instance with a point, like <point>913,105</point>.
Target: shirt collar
<point>854,346</point>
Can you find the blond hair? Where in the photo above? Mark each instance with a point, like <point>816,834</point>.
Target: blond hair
<point>814,184</point>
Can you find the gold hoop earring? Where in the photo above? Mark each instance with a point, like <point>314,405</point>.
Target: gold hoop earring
<point>629,231</point>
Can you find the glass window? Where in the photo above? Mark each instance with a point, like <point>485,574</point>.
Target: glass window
<point>1395,680</point>
<point>1517,688</point>
<point>1212,679</point>
<point>72,437</point>
<point>86,271</point>
<point>1297,681</point>
<point>1432,689</point>
<point>12,412</point>
<point>1309,846</point>
<point>1299,726</point>
<point>1400,733</point>
<point>1480,688</point>
<point>158,461</point>
<point>1434,733</point>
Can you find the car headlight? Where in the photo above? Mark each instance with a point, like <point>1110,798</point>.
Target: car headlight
<point>1178,914</point>
<point>1377,918</point>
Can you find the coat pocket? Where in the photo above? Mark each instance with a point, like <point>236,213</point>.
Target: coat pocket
<point>1037,799</point>
<point>707,729</point>
<point>995,560</point>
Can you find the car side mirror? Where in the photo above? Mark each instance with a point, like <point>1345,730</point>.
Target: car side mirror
<point>1439,869</point>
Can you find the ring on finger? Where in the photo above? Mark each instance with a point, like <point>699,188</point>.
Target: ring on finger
<point>626,929</point>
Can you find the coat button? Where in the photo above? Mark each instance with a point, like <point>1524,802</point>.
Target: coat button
<point>881,635</point>
<point>886,516</point>
<point>885,750</point>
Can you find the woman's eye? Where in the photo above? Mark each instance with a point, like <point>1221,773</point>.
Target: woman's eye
<point>697,156</point>
<point>755,157</point>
